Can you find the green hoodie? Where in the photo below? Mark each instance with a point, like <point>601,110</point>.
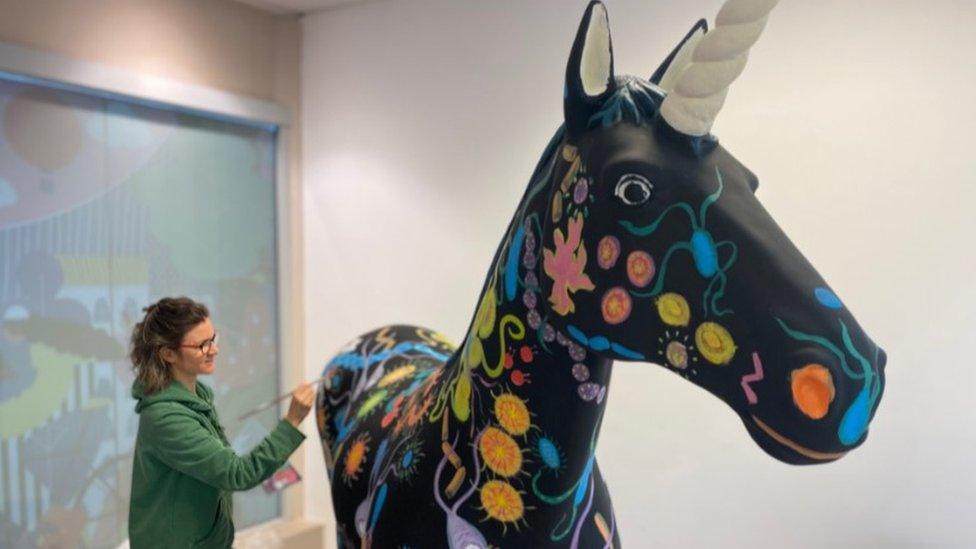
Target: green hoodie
<point>183,469</point>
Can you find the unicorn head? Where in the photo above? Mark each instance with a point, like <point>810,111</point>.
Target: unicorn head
<point>656,249</point>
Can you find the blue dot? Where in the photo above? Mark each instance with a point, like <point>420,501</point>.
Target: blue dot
<point>549,453</point>
<point>828,298</point>
<point>407,459</point>
<point>855,420</point>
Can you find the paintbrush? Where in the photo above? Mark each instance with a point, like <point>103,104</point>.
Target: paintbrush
<point>269,404</point>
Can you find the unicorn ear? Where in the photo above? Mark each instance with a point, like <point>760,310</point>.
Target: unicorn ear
<point>666,75</point>
<point>589,73</point>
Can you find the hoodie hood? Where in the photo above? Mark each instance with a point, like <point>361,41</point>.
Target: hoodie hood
<point>202,401</point>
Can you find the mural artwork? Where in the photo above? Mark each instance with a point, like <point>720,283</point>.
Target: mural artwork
<point>639,238</point>
<point>101,213</point>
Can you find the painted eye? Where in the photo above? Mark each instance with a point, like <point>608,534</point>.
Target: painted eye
<point>633,189</point>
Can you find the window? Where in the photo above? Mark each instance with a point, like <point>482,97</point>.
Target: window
<point>106,206</point>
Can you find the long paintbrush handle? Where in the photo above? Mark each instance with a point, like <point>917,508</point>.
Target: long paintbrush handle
<point>269,404</point>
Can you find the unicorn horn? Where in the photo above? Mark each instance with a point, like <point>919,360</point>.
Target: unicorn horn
<point>718,59</point>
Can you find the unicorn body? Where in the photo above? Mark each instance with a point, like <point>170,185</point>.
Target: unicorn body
<point>638,238</point>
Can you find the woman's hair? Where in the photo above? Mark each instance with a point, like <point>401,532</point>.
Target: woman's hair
<point>166,323</point>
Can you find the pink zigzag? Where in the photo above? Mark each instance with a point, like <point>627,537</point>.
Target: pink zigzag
<point>757,375</point>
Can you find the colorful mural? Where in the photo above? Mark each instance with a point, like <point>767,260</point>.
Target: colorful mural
<point>104,208</point>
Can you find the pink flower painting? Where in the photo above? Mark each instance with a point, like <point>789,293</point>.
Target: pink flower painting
<point>565,267</point>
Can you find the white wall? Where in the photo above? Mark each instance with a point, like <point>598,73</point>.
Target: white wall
<point>424,119</point>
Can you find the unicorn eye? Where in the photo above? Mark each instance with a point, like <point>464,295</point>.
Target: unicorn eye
<point>633,189</point>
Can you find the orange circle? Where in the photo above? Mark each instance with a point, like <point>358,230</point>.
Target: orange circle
<point>607,251</point>
<point>813,390</point>
<point>500,451</point>
<point>616,305</point>
<point>512,413</point>
<point>640,268</point>
<point>501,501</point>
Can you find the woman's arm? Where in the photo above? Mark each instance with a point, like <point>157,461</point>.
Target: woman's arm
<point>177,438</point>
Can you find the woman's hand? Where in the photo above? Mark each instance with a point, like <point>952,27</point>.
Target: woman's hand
<point>301,403</point>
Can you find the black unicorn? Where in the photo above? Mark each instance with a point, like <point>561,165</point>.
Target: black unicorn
<point>639,238</point>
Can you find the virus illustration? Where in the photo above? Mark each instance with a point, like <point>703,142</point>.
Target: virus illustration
<point>549,454</point>
<point>407,460</point>
<point>678,353</point>
<point>512,414</point>
<point>396,375</point>
<point>500,451</point>
<point>502,502</point>
<point>355,458</point>
<point>418,404</point>
<point>371,403</point>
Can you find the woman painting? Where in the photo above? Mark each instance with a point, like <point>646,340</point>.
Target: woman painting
<point>184,469</point>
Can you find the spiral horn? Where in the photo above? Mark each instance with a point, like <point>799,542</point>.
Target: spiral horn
<point>718,59</point>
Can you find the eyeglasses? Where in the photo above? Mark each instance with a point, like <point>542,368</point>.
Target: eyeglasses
<point>206,347</point>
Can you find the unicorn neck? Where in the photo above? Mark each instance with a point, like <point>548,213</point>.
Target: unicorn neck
<point>512,346</point>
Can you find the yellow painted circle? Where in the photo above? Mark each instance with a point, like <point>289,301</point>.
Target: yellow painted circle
<point>673,309</point>
<point>714,343</point>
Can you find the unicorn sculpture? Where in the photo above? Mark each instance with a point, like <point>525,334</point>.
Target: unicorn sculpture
<point>639,238</point>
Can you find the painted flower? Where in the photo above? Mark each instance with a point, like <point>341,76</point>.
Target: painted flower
<point>565,267</point>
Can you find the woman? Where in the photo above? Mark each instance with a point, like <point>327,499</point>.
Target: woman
<point>183,469</point>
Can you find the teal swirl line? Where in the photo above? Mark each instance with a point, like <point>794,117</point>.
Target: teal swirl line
<point>712,198</point>
<point>865,365</point>
<point>720,292</point>
<point>648,229</point>
<point>823,342</point>
<point>659,285</point>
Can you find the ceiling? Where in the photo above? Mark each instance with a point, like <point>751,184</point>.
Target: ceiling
<point>298,6</point>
